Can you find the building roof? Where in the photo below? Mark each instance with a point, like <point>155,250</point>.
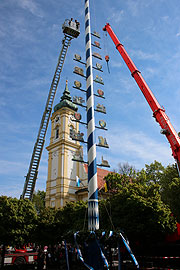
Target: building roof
<point>66,100</point>
<point>101,173</point>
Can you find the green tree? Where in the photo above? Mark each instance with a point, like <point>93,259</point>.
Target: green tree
<point>126,169</point>
<point>168,179</point>
<point>169,173</point>
<point>171,196</point>
<point>46,226</point>
<point>53,223</point>
<point>114,181</point>
<point>74,216</point>
<point>139,211</point>
<point>154,172</point>
<point>39,200</point>
<point>17,220</point>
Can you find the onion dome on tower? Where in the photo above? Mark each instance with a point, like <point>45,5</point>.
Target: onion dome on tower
<point>66,100</point>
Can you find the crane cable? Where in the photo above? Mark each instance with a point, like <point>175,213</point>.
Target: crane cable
<point>104,41</point>
<point>106,50</point>
<point>94,17</point>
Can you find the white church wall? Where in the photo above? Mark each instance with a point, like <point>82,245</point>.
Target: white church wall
<point>54,167</point>
<point>53,183</point>
<point>72,171</point>
<point>53,191</point>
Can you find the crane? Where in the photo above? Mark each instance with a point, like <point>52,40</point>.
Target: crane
<point>71,29</point>
<point>158,112</point>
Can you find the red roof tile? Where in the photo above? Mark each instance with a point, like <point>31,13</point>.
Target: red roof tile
<point>101,173</point>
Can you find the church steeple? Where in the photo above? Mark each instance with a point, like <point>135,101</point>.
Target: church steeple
<point>66,100</point>
<point>62,170</point>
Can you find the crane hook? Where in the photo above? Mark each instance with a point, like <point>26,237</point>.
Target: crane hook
<point>107,60</point>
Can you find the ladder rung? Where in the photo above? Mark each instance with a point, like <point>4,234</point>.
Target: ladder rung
<point>40,142</point>
<point>36,155</point>
<point>43,129</point>
<point>34,166</point>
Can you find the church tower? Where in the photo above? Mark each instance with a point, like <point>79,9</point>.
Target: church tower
<point>62,170</point>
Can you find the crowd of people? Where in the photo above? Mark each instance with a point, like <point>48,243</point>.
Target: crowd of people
<point>59,256</point>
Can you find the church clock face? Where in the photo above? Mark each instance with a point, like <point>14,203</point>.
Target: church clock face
<point>57,121</point>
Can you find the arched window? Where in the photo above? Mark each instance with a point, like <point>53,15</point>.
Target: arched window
<point>57,133</point>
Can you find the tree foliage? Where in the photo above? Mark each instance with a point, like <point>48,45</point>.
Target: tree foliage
<point>114,181</point>
<point>17,220</point>
<point>39,200</point>
<point>138,210</point>
<point>154,172</point>
<point>46,227</point>
<point>126,169</point>
<point>74,216</point>
<point>169,181</point>
<point>171,197</point>
<point>139,203</point>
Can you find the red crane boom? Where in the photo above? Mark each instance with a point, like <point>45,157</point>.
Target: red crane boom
<point>158,111</point>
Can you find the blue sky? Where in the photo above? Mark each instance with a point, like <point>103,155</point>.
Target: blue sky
<point>30,34</point>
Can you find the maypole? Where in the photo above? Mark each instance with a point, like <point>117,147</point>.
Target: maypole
<point>93,210</point>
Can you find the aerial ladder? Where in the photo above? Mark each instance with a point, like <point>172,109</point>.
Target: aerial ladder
<point>71,30</point>
<point>158,111</point>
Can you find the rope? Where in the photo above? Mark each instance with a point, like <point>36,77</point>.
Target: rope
<point>85,219</point>
<point>110,218</point>
<point>109,215</point>
<point>94,17</point>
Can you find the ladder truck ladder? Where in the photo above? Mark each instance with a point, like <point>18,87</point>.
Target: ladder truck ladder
<point>70,31</point>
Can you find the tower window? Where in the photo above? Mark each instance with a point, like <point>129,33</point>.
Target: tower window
<point>57,133</point>
<point>57,119</point>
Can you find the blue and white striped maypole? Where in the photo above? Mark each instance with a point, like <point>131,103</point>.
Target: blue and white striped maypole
<point>93,211</point>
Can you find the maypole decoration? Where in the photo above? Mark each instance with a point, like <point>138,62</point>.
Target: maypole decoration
<point>93,211</point>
